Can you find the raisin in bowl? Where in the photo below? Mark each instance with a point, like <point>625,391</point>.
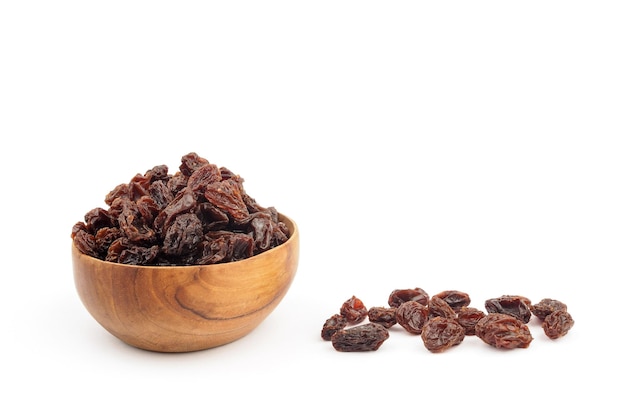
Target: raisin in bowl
<point>155,279</point>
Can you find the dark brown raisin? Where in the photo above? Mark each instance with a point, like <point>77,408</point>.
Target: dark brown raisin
<point>513,305</point>
<point>455,299</point>
<point>412,316</point>
<point>557,324</point>
<point>437,307</point>
<point>398,297</point>
<point>468,317</point>
<point>441,333</point>
<point>547,306</point>
<point>335,323</point>
<point>353,310</point>
<point>503,331</point>
<point>362,338</point>
<point>382,315</point>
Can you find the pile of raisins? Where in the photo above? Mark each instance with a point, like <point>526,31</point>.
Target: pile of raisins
<point>198,216</point>
<point>444,320</point>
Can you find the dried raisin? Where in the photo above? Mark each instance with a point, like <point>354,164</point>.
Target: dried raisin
<point>503,331</point>
<point>513,305</point>
<point>398,297</point>
<point>331,326</point>
<point>441,333</point>
<point>468,317</point>
<point>361,338</point>
<point>412,316</point>
<point>557,324</point>
<point>382,315</point>
<point>353,310</point>
<point>455,299</point>
<point>547,306</point>
<point>162,219</point>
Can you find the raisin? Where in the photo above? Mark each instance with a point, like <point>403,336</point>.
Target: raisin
<point>455,299</point>
<point>437,307</point>
<point>353,310</point>
<point>513,305</point>
<point>441,333</point>
<point>468,317</point>
<point>183,236</point>
<point>362,338</point>
<point>199,215</point>
<point>382,315</point>
<point>503,331</point>
<point>398,297</point>
<point>190,163</point>
<point>226,196</point>
<point>331,326</point>
<point>412,316</point>
<point>547,306</point>
<point>557,324</point>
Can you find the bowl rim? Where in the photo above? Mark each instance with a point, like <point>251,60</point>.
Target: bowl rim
<point>281,217</point>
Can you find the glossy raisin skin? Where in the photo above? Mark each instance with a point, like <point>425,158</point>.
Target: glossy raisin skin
<point>557,324</point>
<point>197,216</point>
<point>353,310</point>
<point>441,333</point>
<point>398,297</point>
<point>455,299</point>
<point>437,307</point>
<point>362,338</point>
<point>468,317</point>
<point>503,331</point>
<point>513,305</point>
<point>547,306</point>
<point>412,316</point>
<point>385,316</point>
<point>331,326</point>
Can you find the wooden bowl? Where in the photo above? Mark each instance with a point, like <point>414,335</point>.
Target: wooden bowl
<point>186,308</point>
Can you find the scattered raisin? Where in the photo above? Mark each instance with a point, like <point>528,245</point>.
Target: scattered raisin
<point>398,297</point>
<point>513,305</point>
<point>353,310</point>
<point>335,323</point>
<point>468,317</point>
<point>412,316</point>
<point>441,333</point>
<point>547,306</point>
<point>382,315</point>
<point>437,307</point>
<point>503,331</point>
<point>455,299</point>
<point>557,324</point>
<point>361,338</point>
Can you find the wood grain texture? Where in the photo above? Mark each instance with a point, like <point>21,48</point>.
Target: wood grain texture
<point>186,308</point>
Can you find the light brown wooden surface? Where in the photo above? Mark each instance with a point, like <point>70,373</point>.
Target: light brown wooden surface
<point>186,308</point>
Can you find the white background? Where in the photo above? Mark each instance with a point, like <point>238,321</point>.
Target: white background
<point>471,145</point>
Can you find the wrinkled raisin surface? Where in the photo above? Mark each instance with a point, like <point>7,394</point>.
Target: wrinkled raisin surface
<point>385,316</point>
<point>557,324</point>
<point>331,326</point>
<point>412,316</point>
<point>513,305</point>
<point>455,299</point>
<point>503,331</point>
<point>361,338</point>
<point>441,333</point>
<point>468,317</point>
<point>547,306</point>
<point>353,310</point>
<point>199,215</point>
<point>437,307</point>
<point>398,297</point>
